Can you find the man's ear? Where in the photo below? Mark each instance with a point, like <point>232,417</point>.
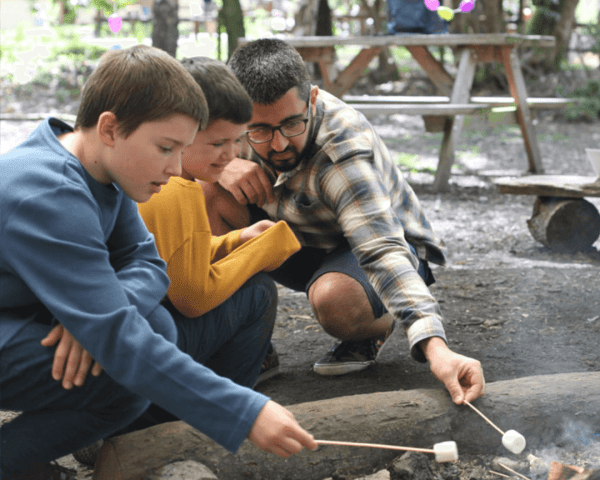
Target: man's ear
<point>314,93</point>
<point>107,128</point>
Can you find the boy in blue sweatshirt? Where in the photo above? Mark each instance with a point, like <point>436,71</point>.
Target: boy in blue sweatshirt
<point>75,251</point>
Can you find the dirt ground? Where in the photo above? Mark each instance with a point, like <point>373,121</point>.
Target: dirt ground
<point>518,307</point>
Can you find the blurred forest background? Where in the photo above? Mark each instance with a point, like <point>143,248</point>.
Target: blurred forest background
<point>38,33</point>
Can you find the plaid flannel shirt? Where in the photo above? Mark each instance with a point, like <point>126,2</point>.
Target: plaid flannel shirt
<point>347,186</point>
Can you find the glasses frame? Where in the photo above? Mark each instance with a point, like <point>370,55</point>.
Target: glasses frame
<point>274,129</point>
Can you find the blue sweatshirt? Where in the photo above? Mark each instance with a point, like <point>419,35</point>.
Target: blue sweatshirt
<point>79,250</point>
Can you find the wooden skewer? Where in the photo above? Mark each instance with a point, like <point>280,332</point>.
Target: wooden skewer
<point>375,445</point>
<point>499,474</point>
<point>512,471</point>
<point>485,418</point>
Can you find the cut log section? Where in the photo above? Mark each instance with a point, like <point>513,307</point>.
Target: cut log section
<point>565,223</point>
<point>538,406</point>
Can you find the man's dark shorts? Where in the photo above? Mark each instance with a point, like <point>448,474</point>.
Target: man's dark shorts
<point>301,270</point>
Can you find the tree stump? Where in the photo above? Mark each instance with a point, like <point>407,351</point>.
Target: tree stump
<point>564,223</point>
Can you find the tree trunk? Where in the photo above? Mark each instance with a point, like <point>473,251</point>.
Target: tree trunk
<point>233,19</point>
<point>487,17</point>
<point>324,24</point>
<point>553,18</point>
<point>538,407</point>
<point>165,32</point>
<point>387,70</point>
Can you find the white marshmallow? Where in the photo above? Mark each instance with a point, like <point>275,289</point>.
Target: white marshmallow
<point>445,452</point>
<point>514,441</point>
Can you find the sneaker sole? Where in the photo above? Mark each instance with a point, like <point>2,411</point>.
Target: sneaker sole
<point>273,372</point>
<point>341,369</point>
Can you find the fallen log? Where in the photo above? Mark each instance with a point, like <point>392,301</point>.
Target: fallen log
<point>567,223</point>
<point>538,407</point>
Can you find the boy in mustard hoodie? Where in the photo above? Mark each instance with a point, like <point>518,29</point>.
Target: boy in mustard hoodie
<point>218,283</point>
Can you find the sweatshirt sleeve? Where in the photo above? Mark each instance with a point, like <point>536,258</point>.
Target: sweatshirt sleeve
<point>195,290</point>
<point>133,255</point>
<point>64,260</point>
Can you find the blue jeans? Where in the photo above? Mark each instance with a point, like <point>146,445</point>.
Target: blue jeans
<point>231,339</point>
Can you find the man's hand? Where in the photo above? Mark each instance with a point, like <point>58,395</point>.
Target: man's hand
<point>276,431</point>
<point>255,230</point>
<point>247,182</point>
<point>71,361</point>
<point>462,376</point>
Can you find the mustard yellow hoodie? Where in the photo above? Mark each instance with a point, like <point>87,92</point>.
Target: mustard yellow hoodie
<point>205,270</point>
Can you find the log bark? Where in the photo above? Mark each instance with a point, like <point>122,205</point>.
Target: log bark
<point>566,223</point>
<point>538,407</point>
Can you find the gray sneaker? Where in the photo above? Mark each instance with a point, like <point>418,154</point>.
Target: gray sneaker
<point>352,355</point>
<point>87,456</point>
<point>269,367</point>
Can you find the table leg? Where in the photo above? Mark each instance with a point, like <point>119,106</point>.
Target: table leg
<point>434,69</point>
<point>453,125</point>
<point>350,74</point>
<point>516,84</point>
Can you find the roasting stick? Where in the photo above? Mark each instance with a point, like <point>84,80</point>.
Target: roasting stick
<point>499,474</point>
<point>514,472</point>
<point>512,440</point>
<point>444,451</point>
<point>375,445</point>
<point>485,418</point>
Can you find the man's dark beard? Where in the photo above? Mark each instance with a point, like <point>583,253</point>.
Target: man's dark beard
<point>289,165</point>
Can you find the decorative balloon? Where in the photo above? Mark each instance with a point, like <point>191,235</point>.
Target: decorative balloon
<point>115,22</point>
<point>447,13</point>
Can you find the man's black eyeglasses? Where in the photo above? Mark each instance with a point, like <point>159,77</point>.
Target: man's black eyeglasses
<point>292,128</point>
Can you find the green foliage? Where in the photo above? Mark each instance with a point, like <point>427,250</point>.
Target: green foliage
<point>409,162</point>
<point>76,50</point>
<point>142,30</point>
<point>587,102</point>
<point>108,6</point>
<point>594,31</point>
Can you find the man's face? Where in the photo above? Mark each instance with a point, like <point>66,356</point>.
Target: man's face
<point>145,160</point>
<point>282,153</point>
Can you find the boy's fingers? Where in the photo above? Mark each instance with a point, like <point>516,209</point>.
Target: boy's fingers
<point>60,358</point>
<point>84,366</point>
<point>72,366</point>
<point>53,336</point>
<point>96,369</point>
<point>266,185</point>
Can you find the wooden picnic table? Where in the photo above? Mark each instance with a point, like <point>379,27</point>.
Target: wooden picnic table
<point>475,48</point>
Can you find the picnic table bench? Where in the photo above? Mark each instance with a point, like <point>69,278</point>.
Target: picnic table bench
<point>455,101</point>
<point>561,216</point>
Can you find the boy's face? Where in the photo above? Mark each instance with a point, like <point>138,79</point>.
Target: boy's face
<point>212,149</point>
<point>145,160</point>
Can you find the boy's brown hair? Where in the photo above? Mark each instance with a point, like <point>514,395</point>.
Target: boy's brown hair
<point>226,97</point>
<point>140,84</point>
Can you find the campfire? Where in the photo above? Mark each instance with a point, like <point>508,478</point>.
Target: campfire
<point>575,455</point>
